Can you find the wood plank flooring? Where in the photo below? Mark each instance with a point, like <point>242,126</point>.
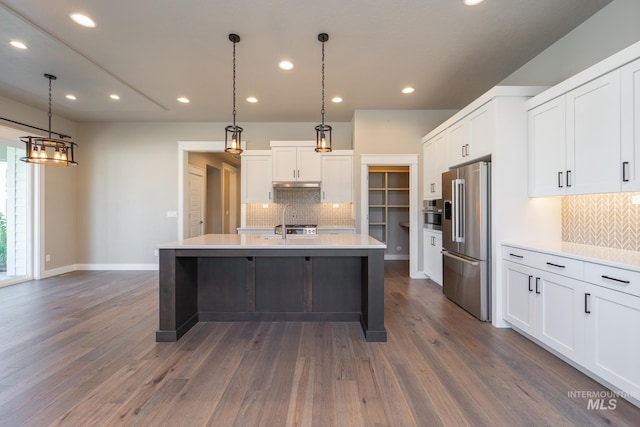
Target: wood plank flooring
<point>79,350</point>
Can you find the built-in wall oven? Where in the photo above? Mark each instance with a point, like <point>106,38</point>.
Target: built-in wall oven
<point>432,213</point>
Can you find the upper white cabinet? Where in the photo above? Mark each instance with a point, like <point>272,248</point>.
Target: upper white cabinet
<point>593,136</point>
<point>630,148</point>
<point>337,178</point>
<point>547,149</point>
<point>594,117</point>
<point>574,141</point>
<point>255,173</point>
<point>471,137</point>
<point>296,164</point>
<point>433,152</point>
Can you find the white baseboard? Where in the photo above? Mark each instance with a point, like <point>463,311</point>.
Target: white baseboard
<point>58,271</point>
<point>116,267</point>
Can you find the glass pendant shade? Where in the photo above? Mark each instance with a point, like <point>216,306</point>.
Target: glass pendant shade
<point>323,138</point>
<point>232,139</point>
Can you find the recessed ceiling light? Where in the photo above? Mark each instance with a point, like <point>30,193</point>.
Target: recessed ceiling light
<point>83,20</point>
<point>114,97</point>
<point>472,2</point>
<point>408,89</point>
<point>71,97</point>
<point>336,99</point>
<point>252,99</point>
<point>285,65</point>
<point>183,100</point>
<point>18,45</point>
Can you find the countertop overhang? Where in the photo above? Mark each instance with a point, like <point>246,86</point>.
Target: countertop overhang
<point>260,241</point>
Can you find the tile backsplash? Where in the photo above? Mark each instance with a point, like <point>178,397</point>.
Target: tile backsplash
<point>609,220</point>
<point>305,208</point>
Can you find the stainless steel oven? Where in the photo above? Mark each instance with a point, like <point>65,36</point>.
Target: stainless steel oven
<point>432,213</point>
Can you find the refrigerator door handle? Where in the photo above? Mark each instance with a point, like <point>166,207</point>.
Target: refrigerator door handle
<point>458,209</point>
<point>454,216</point>
<point>458,258</point>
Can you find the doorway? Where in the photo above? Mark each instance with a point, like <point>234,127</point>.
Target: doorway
<point>392,162</point>
<point>203,154</point>
<point>16,210</point>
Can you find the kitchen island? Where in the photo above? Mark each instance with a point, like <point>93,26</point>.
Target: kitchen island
<point>232,277</point>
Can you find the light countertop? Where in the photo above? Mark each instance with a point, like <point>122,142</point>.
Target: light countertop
<point>596,254</point>
<point>272,241</point>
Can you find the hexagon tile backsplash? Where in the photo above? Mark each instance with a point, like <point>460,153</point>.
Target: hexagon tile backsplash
<point>609,220</point>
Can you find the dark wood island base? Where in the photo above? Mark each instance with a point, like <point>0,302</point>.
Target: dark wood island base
<point>271,284</point>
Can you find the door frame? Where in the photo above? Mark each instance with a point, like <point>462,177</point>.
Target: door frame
<point>201,173</point>
<point>410,160</point>
<point>183,170</point>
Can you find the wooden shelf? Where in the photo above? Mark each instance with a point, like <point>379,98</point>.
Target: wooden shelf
<point>389,207</point>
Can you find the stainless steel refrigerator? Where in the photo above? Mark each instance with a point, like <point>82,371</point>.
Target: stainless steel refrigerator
<point>466,238</point>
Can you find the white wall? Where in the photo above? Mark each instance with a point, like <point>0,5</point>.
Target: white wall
<point>612,29</point>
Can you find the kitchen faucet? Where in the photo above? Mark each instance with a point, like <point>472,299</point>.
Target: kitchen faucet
<point>284,224</point>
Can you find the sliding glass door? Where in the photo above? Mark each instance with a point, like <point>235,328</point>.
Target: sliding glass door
<point>15,214</point>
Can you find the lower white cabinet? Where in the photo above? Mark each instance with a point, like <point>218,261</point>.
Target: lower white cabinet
<point>433,255</point>
<point>546,306</point>
<point>585,311</point>
<point>613,340</point>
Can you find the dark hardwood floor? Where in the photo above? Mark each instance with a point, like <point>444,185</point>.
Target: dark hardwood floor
<point>79,350</point>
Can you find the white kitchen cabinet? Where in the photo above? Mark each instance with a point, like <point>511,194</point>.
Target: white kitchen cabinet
<point>630,147</point>
<point>587,312</point>
<point>337,178</point>
<point>434,164</point>
<point>470,138</point>
<point>613,340</point>
<point>593,136</point>
<point>255,175</point>
<point>296,164</point>
<point>547,148</point>
<point>574,141</point>
<point>433,255</point>
<point>519,301</point>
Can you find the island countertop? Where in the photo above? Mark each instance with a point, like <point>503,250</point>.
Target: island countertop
<point>272,241</point>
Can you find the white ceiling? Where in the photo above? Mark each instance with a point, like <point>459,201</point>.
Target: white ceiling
<point>152,51</point>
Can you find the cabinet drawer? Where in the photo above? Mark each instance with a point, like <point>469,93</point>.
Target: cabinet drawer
<point>559,265</point>
<point>614,278</point>
<point>521,256</point>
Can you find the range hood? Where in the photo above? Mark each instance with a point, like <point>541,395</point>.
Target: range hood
<point>296,184</point>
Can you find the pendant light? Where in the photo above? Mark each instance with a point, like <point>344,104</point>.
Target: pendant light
<point>323,132</point>
<point>49,151</point>
<point>233,133</point>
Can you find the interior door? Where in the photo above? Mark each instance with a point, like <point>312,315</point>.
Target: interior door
<point>196,201</point>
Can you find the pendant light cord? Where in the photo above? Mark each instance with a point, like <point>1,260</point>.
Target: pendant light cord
<point>234,84</point>
<point>322,110</point>
<point>50,107</point>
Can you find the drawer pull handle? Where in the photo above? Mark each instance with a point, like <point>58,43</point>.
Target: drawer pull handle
<point>517,256</point>
<point>616,280</point>
<point>587,309</point>
<point>555,265</point>
<point>537,281</point>
<point>530,277</point>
